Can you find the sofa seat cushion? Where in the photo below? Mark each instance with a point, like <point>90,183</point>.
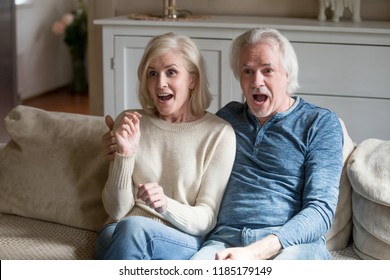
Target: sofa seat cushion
<point>27,239</point>
<point>371,228</point>
<point>372,216</point>
<point>348,253</point>
<point>54,168</point>
<point>367,246</point>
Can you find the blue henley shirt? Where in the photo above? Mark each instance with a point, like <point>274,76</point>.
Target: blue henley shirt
<point>286,173</point>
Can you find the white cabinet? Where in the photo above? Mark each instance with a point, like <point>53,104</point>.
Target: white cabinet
<point>353,81</point>
<point>344,66</point>
<point>344,70</point>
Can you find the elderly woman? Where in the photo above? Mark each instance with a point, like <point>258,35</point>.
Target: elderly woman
<point>170,161</point>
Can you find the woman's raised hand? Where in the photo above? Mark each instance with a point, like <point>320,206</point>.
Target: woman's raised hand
<point>128,134</point>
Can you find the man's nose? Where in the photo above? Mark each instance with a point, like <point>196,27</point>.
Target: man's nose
<point>258,79</point>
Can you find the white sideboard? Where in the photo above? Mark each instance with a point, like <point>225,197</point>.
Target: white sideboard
<point>344,66</point>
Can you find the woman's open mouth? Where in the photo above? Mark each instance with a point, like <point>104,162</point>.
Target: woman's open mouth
<point>165,96</point>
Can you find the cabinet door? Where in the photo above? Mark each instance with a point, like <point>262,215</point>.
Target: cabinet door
<point>127,54</point>
<point>344,70</point>
<point>128,51</point>
<point>363,117</point>
<point>351,80</point>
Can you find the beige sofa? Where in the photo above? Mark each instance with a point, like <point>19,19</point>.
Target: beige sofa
<point>52,172</point>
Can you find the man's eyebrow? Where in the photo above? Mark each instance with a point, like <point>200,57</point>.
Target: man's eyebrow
<point>268,64</point>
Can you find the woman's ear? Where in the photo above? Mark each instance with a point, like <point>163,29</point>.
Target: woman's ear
<point>193,81</point>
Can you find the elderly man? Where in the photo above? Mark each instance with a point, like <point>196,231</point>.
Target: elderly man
<point>282,194</point>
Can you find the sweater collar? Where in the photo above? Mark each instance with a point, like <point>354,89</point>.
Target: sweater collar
<point>178,126</point>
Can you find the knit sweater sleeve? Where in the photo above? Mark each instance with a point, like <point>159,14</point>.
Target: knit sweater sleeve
<point>200,218</point>
<point>118,196</point>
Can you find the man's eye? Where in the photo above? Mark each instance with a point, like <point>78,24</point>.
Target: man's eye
<point>247,71</point>
<point>268,71</point>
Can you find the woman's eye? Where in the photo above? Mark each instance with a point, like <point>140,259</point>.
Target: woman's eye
<point>152,73</point>
<point>171,72</point>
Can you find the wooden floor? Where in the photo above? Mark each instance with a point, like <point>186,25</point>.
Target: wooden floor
<point>60,100</point>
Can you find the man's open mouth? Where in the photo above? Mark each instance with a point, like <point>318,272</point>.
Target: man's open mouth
<point>260,97</point>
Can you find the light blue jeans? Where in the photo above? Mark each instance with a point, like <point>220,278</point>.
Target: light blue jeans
<point>225,237</point>
<point>140,238</point>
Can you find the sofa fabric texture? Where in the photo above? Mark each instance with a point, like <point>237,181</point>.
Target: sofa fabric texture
<point>30,239</point>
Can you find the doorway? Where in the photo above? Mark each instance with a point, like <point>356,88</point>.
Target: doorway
<point>8,92</point>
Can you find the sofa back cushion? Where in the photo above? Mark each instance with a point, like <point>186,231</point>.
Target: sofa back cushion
<point>53,168</point>
<point>339,235</point>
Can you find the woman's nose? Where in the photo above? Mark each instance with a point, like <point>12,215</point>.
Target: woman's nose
<point>162,81</point>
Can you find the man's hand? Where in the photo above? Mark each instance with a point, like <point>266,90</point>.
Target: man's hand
<point>237,253</point>
<point>108,139</point>
<point>263,249</point>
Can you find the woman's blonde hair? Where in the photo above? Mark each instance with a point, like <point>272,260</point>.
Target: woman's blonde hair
<point>200,96</point>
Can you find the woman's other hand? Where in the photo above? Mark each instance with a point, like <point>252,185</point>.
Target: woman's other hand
<point>153,195</point>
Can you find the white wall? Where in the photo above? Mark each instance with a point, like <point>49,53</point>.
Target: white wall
<point>42,59</point>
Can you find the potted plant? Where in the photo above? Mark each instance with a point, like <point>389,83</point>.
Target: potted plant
<point>74,28</point>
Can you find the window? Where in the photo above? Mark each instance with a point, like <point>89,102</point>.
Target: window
<point>22,2</point>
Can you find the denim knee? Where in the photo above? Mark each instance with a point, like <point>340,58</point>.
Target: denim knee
<point>103,240</point>
<point>140,238</point>
<point>209,249</point>
<point>134,226</point>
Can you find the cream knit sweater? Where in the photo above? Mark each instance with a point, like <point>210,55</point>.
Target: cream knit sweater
<point>191,161</point>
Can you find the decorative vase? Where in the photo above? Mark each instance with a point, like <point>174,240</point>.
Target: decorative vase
<point>79,82</point>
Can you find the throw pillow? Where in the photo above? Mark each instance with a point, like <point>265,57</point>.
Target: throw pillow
<point>369,170</point>
<point>53,168</point>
